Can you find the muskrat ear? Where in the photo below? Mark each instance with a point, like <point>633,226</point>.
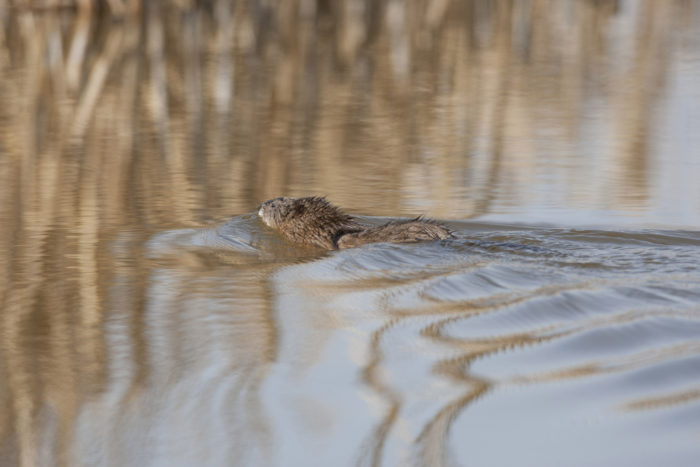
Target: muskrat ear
<point>298,210</point>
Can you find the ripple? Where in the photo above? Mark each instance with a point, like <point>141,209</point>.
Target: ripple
<point>449,326</point>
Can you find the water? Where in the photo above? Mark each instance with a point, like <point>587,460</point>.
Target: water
<point>148,317</point>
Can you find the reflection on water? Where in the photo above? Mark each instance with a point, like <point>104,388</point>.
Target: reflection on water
<point>131,334</point>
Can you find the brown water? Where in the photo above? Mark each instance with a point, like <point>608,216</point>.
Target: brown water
<point>147,316</point>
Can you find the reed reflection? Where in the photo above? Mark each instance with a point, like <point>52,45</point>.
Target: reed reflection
<point>463,104</point>
<point>124,119</point>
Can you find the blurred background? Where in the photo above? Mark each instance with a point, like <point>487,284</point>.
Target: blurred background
<point>173,112</point>
<point>122,119</point>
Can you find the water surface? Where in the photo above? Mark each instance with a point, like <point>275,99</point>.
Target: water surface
<point>147,316</point>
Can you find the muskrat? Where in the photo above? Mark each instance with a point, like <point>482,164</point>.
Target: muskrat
<point>315,221</point>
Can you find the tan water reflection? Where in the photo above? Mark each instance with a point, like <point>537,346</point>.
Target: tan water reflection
<point>127,342</point>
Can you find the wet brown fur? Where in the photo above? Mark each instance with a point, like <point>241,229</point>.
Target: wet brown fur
<point>315,221</point>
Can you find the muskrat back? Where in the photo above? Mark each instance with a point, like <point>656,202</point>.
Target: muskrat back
<point>408,231</point>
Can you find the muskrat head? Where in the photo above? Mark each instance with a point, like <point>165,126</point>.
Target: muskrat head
<point>275,211</point>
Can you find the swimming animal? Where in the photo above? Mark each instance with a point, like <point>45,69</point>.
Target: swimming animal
<point>314,221</point>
